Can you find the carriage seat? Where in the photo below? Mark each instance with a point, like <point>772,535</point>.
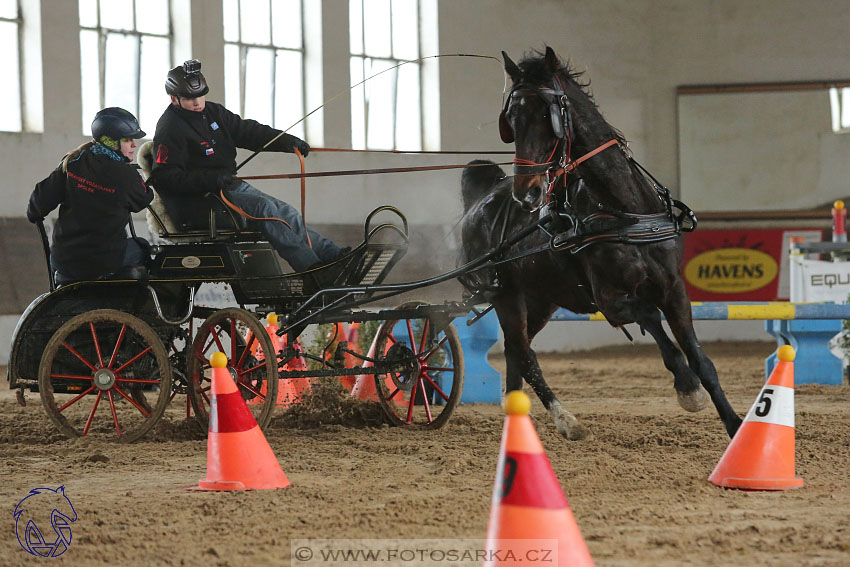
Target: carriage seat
<point>128,273</point>
<point>214,222</point>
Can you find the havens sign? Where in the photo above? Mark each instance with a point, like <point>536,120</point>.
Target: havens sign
<point>731,270</point>
<point>739,264</point>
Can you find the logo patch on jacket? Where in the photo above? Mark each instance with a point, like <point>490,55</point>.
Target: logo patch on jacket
<point>207,149</point>
<point>214,125</point>
<point>162,154</point>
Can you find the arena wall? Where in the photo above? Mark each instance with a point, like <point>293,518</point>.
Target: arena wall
<point>636,52</point>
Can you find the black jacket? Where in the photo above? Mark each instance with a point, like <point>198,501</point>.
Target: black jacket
<point>193,149</point>
<point>95,199</point>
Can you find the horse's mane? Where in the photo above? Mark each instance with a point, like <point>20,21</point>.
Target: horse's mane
<point>535,71</point>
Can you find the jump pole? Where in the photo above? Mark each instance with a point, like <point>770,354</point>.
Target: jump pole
<point>807,327</point>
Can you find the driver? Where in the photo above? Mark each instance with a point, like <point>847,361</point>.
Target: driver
<point>195,154</point>
<point>96,190</point>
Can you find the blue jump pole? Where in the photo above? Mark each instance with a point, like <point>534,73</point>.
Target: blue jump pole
<point>808,327</point>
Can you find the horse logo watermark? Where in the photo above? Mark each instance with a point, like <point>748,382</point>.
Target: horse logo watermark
<point>34,510</point>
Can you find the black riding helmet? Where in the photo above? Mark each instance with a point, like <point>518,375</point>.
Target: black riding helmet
<point>187,81</point>
<point>115,123</point>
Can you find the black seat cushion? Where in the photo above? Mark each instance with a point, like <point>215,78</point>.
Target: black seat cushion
<point>193,214</point>
<point>126,273</point>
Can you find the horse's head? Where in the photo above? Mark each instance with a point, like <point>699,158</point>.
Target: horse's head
<point>536,118</point>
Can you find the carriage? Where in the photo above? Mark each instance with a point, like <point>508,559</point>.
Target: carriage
<point>108,356</point>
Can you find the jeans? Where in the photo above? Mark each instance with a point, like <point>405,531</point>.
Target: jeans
<point>289,241</point>
<point>138,252</point>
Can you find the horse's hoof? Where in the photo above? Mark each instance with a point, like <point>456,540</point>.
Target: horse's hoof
<point>577,432</point>
<point>571,429</point>
<point>695,401</point>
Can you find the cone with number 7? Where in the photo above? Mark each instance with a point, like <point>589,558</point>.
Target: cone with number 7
<point>530,518</point>
<point>761,455</point>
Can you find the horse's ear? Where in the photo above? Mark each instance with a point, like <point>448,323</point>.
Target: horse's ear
<point>511,68</point>
<point>553,63</point>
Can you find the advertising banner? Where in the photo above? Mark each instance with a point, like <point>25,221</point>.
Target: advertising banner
<point>815,281</point>
<point>740,264</point>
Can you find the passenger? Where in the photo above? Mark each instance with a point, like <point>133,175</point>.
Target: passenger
<point>195,154</point>
<point>96,190</point>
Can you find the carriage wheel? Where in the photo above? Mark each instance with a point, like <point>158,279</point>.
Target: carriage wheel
<point>105,373</point>
<point>241,337</point>
<point>178,348</point>
<point>425,392</point>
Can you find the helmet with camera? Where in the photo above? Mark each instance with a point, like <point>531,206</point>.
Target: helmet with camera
<point>186,81</point>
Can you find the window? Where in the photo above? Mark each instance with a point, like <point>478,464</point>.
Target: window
<point>11,117</point>
<point>125,52</point>
<point>386,44</point>
<point>264,61</point>
<point>839,99</point>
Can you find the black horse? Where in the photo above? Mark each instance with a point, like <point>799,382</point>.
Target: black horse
<point>606,238</point>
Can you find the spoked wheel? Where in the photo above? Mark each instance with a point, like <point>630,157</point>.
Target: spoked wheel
<point>178,348</point>
<point>426,387</point>
<point>105,373</point>
<point>241,337</point>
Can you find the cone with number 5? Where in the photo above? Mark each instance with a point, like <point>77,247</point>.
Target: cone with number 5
<point>761,455</point>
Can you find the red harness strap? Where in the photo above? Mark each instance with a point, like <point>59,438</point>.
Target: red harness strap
<point>574,164</point>
<point>242,213</point>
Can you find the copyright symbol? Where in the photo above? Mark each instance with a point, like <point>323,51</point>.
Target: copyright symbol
<point>304,554</point>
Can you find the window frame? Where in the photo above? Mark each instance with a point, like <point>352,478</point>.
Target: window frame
<point>103,32</point>
<point>243,48</point>
<point>839,98</point>
<point>395,63</point>
<point>19,22</point>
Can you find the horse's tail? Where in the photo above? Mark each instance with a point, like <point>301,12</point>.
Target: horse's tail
<point>478,180</point>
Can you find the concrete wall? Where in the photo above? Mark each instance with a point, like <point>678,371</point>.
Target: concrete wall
<point>634,51</point>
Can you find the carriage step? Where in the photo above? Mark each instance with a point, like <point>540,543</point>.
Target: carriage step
<point>376,263</point>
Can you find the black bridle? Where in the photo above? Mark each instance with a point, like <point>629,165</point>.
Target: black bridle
<point>562,126</point>
<point>578,233</point>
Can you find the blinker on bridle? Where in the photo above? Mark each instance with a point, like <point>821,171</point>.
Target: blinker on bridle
<point>562,128</point>
<point>559,109</point>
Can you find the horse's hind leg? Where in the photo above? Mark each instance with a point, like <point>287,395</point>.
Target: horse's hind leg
<point>519,324</point>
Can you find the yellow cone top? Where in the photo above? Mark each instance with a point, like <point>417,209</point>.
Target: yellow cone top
<point>272,318</point>
<point>786,353</point>
<point>517,403</point>
<point>838,204</point>
<point>218,360</point>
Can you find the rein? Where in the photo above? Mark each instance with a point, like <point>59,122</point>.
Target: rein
<point>345,172</point>
<point>235,208</point>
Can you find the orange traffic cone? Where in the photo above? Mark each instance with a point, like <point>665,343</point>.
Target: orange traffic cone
<point>289,391</point>
<point>528,503</point>
<point>364,385</point>
<point>293,388</point>
<point>761,455</point>
<point>238,455</point>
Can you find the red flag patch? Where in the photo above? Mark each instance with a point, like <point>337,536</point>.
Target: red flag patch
<point>162,154</point>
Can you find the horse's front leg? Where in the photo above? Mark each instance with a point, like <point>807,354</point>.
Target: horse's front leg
<point>678,314</point>
<point>519,325</point>
<point>691,395</point>
<point>620,309</point>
